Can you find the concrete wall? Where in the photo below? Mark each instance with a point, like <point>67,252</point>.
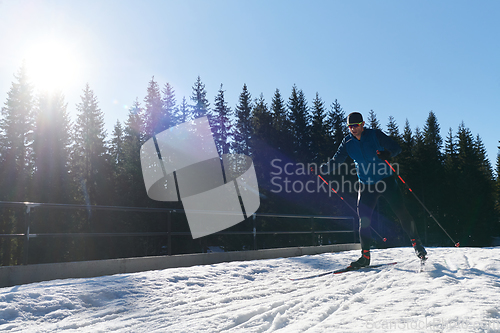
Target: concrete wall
<point>16,275</point>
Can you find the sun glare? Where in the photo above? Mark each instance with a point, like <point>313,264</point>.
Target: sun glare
<point>51,65</point>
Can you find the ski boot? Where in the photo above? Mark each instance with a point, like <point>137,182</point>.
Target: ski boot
<point>363,261</point>
<point>419,249</point>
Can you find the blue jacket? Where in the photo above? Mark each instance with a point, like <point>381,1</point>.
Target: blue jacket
<point>369,167</point>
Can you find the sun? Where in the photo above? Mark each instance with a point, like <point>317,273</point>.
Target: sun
<point>51,65</point>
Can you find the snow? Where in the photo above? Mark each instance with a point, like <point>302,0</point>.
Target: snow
<point>458,292</point>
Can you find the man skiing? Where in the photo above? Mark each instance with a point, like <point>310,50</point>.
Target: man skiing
<point>369,148</point>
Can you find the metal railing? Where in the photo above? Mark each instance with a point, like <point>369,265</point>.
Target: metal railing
<point>30,207</point>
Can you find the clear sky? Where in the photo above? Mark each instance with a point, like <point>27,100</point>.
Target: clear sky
<point>399,58</point>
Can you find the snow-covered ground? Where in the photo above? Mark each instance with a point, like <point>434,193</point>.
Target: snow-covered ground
<point>458,292</point>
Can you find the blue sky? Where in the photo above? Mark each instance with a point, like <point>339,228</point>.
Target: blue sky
<point>399,58</point>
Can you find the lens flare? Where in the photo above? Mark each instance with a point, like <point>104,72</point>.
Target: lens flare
<point>51,65</point>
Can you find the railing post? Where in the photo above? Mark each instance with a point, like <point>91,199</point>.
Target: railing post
<point>27,224</point>
<point>169,233</point>
<point>313,236</point>
<point>254,232</point>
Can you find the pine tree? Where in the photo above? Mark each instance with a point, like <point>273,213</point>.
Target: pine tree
<point>320,131</point>
<point>117,158</point>
<point>169,107</point>
<point>51,178</point>
<point>222,128</point>
<point>131,183</point>
<point>484,202</point>
<point>90,164</point>
<point>16,146</point>
<point>484,163</point>
<point>488,202</point>
<point>432,137</point>
<point>281,125</point>
<point>405,158</point>
<point>408,141</point>
<point>243,128</point>
<point>51,148</point>
<point>450,186</point>
<point>405,162</point>
<point>430,165</point>
<point>155,120</point>
<point>473,198</point>
<point>16,128</point>
<point>262,132</point>
<point>465,153</point>
<point>393,130</point>
<point>261,121</point>
<point>199,97</point>
<point>91,171</point>
<point>413,164</point>
<point>337,123</point>
<point>116,145</point>
<point>183,114</point>
<point>419,147</point>
<point>432,156</point>
<point>300,123</point>
<point>373,122</point>
<point>450,151</point>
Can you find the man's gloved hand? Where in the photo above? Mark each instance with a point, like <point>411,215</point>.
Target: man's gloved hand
<point>384,154</point>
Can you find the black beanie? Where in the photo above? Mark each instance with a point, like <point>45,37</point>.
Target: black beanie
<point>354,118</point>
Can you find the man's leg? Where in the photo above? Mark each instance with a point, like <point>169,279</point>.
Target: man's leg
<point>367,199</point>
<point>395,198</point>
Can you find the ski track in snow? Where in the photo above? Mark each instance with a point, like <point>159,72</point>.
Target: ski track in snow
<point>458,292</point>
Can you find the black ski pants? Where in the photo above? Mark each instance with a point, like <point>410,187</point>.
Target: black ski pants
<point>368,196</point>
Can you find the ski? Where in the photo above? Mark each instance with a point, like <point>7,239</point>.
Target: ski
<point>343,270</point>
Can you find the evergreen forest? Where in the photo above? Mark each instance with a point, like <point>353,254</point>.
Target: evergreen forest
<point>46,157</point>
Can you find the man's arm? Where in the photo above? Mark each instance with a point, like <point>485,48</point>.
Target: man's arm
<point>388,143</point>
<point>337,159</point>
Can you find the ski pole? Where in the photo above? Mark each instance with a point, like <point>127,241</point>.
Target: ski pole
<point>337,193</point>
<point>457,244</point>
<point>384,239</point>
